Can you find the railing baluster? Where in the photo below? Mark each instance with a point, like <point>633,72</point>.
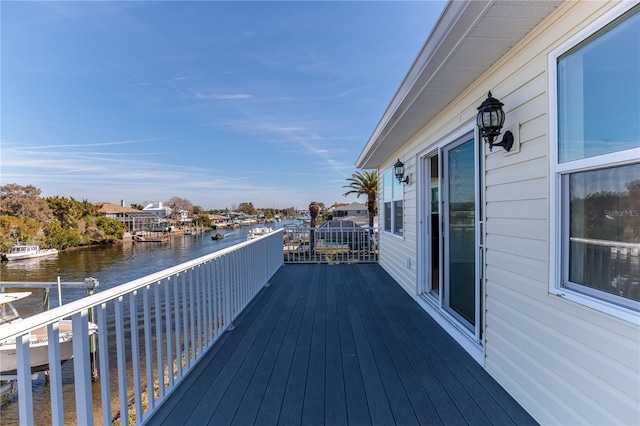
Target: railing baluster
<point>103,353</point>
<point>82,368</point>
<point>177,309</point>
<point>198,312</point>
<point>210,304</point>
<point>147,345</point>
<point>25,395</point>
<point>135,354</point>
<point>121,359</point>
<point>185,323</point>
<point>192,317</point>
<point>55,374</point>
<point>159,340</point>
<point>167,291</point>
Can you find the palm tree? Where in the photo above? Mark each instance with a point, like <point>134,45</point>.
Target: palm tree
<point>364,182</point>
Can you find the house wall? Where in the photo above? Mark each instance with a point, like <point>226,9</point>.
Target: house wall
<point>564,362</point>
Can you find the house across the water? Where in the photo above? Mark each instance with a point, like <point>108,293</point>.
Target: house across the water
<point>509,163</point>
<point>134,219</point>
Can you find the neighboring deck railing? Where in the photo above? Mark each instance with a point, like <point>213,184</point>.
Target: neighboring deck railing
<point>178,314</point>
<point>330,244</point>
<point>610,266</point>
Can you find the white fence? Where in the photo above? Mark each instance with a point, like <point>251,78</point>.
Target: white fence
<point>151,331</point>
<point>331,243</point>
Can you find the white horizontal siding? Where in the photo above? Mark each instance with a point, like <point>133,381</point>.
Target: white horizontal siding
<point>564,362</point>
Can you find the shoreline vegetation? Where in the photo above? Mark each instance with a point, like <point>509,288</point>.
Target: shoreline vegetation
<point>68,224</point>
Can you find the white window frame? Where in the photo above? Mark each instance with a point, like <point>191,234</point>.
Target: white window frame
<point>557,170</point>
<point>397,194</point>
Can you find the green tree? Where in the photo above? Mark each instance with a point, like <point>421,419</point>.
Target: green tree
<point>202,219</point>
<point>58,237</point>
<point>70,211</point>
<point>137,206</point>
<point>113,229</point>
<point>247,208</point>
<point>14,229</point>
<point>364,183</point>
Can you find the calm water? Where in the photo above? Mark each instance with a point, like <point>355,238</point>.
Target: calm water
<point>111,266</point>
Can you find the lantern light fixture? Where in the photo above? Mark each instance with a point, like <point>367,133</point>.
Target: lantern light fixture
<point>490,120</point>
<point>398,170</point>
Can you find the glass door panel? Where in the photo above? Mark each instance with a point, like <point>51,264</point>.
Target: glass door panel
<point>460,232</point>
<point>434,213</point>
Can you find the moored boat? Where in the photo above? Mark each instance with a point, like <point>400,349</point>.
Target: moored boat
<point>258,232</point>
<point>38,338</point>
<point>27,251</point>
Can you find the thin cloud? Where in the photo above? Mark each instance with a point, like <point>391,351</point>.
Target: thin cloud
<point>86,145</point>
<point>216,96</point>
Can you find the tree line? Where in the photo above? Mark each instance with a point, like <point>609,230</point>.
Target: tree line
<point>56,222</point>
<point>61,222</point>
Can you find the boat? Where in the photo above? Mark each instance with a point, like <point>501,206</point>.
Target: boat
<point>258,232</point>
<point>38,338</point>
<point>151,238</point>
<point>218,236</point>
<point>27,251</point>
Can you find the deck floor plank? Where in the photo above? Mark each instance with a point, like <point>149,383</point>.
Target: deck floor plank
<point>337,344</point>
<point>335,409</point>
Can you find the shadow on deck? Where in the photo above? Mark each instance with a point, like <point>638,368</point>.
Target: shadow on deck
<point>337,345</point>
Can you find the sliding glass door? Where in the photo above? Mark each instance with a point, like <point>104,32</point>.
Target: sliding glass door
<point>452,244</point>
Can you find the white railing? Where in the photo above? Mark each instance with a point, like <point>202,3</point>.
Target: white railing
<point>330,244</point>
<point>152,330</point>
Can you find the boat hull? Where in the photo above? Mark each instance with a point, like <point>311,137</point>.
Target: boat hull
<point>30,255</point>
<point>39,349</point>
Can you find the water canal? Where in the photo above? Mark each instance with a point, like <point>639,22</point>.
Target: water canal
<point>111,266</point>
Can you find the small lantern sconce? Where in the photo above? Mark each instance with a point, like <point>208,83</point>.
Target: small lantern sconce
<point>490,120</point>
<point>398,170</point>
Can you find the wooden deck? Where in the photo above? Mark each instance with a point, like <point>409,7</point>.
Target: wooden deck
<point>337,345</point>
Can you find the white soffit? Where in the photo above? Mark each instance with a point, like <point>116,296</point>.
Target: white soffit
<point>469,37</point>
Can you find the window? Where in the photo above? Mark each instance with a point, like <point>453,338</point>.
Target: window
<point>392,193</point>
<point>597,164</point>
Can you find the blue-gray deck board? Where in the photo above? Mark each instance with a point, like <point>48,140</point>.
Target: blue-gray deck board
<point>337,344</point>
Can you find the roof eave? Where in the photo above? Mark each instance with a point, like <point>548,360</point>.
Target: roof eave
<point>441,56</point>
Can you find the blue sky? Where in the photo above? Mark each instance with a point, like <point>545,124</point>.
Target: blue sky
<point>216,102</point>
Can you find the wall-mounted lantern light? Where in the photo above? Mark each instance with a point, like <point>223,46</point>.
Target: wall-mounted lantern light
<point>398,170</point>
<point>490,120</point>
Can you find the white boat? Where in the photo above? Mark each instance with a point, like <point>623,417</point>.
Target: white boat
<point>258,232</point>
<point>27,251</point>
<point>38,339</point>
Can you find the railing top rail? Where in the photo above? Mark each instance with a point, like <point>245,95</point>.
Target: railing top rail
<point>42,319</point>
<point>605,243</point>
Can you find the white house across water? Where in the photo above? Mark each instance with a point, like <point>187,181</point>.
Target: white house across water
<point>527,257</point>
